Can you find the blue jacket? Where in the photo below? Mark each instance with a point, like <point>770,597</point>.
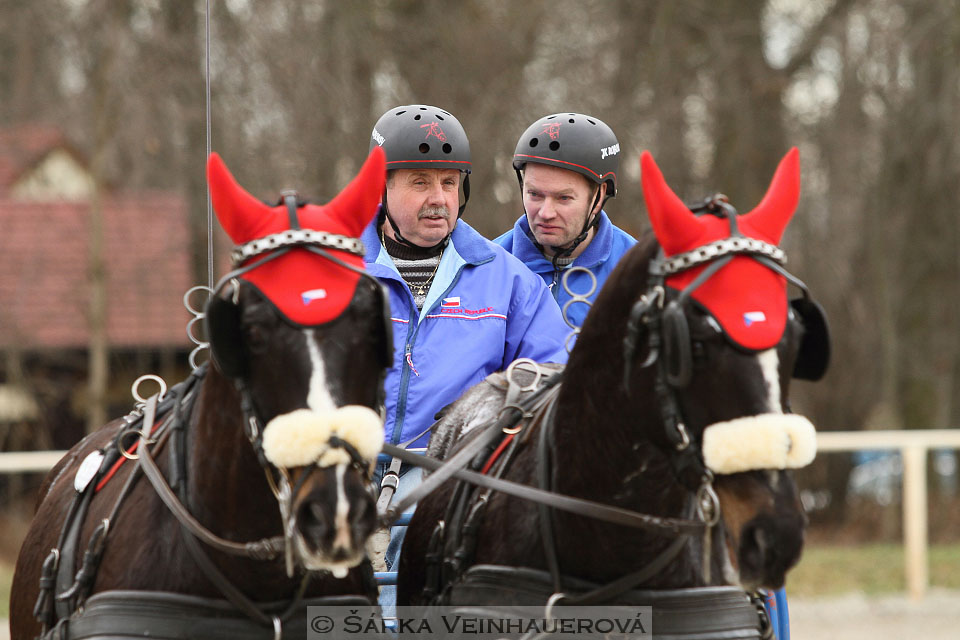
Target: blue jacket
<point>483,311</point>
<point>600,257</point>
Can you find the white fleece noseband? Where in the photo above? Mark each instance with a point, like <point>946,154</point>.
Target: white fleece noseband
<point>766,441</point>
<point>301,437</point>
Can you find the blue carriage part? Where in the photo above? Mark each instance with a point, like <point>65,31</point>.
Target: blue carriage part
<point>385,578</point>
<point>775,603</point>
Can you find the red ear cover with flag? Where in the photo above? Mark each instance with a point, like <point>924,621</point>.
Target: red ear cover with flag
<point>307,288</point>
<point>748,299</point>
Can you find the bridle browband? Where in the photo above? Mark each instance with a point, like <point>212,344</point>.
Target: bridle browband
<point>296,238</point>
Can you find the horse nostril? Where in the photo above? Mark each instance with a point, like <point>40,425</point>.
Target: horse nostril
<point>313,522</point>
<point>753,549</point>
<point>760,539</point>
<point>364,518</point>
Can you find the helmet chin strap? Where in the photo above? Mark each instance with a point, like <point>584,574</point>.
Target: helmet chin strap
<point>396,230</point>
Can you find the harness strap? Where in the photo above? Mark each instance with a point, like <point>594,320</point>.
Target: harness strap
<point>266,549</point>
<point>227,588</point>
<point>442,472</point>
<point>630,581</point>
<point>578,506</point>
<point>236,597</point>
<point>388,485</point>
<point>68,553</point>
<point>391,479</point>
<point>471,503</point>
<point>128,614</point>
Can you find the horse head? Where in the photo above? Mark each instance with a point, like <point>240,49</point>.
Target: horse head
<point>300,329</point>
<point>726,341</point>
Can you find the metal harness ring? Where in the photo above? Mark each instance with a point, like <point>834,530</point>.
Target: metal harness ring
<point>135,388</point>
<point>708,504</point>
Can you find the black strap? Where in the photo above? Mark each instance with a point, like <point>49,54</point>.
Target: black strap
<point>608,592</point>
<point>290,199</point>
<point>544,479</point>
<point>579,506</point>
<point>68,554</point>
<point>443,472</point>
<point>508,417</point>
<point>269,548</point>
<point>127,614</point>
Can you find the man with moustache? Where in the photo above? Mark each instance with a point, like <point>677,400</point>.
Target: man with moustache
<point>567,167</point>
<point>461,307</point>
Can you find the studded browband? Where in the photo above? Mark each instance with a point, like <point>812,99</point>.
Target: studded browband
<point>296,238</point>
<point>714,250</point>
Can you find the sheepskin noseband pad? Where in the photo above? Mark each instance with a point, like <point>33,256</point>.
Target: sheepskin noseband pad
<point>766,441</point>
<point>301,437</point>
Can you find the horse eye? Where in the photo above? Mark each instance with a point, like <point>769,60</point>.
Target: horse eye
<point>699,352</point>
<point>254,337</point>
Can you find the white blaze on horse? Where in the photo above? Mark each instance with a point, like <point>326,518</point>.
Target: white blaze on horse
<point>671,425</point>
<point>251,496</point>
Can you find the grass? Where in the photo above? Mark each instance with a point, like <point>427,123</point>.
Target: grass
<point>869,568</point>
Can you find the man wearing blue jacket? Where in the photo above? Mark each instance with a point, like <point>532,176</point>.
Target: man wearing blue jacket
<point>461,307</point>
<point>567,167</point>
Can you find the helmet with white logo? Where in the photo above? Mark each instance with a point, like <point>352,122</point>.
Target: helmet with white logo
<point>572,141</point>
<point>419,136</point>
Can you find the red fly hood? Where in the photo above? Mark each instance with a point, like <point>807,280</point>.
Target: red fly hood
<point>748,299</point>
<point>307,288</point>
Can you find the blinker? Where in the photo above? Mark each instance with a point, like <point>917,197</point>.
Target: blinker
<point>225,333</point>
<point>813,356</point>
<point>224,329</point>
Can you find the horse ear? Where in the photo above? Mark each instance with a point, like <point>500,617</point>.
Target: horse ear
<point>771,216</point>
<point>675,226</point>
<point>356,205</point>
<point>240,214</point>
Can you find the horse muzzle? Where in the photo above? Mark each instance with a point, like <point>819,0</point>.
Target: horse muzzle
<point>329,511</point>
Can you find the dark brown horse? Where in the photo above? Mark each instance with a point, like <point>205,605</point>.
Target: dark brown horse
<point>675,393</point>
<point>286,417</point>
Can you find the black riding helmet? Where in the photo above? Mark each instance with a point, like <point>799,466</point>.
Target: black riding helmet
<point>419,136</point>
<point>575,142</point>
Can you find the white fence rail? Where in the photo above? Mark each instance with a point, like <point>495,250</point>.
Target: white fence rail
<point>913,445</point>
<point>29,461</point>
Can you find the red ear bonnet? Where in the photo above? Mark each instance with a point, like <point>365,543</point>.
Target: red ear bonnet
<point>748,299</point>
<point>307,288</point>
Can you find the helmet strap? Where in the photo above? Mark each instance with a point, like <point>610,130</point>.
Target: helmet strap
<point>466,194</point>
<point>559,254</point>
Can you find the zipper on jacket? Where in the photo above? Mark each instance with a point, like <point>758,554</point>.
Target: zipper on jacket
<point>400,418</point>
<point>555,286</point>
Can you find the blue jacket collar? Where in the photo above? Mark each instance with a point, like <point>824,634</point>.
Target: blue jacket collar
<point>596,252</point>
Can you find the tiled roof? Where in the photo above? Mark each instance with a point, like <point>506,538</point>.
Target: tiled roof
<point>25,145</point>
<point>44,267</point>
